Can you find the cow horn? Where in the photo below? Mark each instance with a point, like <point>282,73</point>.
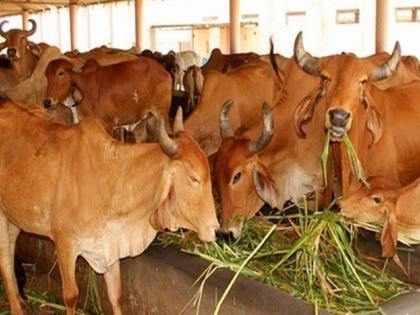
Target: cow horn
<point>168,145</point>
<point>304,59</point>
<point>33,29</point>
<point>267,133</point>
<point>179,122</point>
<point>3,33</point>
<point>225,129</point>
<point>384,71</point>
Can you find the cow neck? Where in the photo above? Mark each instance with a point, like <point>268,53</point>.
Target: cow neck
<point>24,67</point>
<point>83,82</point>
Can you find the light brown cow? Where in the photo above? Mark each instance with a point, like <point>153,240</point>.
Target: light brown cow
<point>248,87</point>
<point>292,159</point>
<point>118,94</point>
<point>80,187</point>
<point>193,82</point>
<point>184,60</point>
<point>23,53</point>
<point>385,202</point>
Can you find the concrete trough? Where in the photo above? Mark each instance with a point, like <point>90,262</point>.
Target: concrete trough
<point>159,282</point>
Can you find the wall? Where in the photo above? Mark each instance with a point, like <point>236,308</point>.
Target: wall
<point>113,24</point>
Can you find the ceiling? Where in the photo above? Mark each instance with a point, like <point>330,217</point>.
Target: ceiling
<point>13,7</point>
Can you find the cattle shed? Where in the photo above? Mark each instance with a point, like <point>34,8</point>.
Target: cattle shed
<point>193,124</point>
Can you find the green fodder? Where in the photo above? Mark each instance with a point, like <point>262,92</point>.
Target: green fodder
<point>355,164</point>
<point>309,256</point>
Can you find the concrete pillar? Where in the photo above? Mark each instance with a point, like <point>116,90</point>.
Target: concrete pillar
<point>234,26</point>
<point>382,21</point>
<point>138,4</point>
<point>25,20</point>
<point>73,25</point>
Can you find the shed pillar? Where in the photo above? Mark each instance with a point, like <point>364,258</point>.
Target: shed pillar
<point>25,20</point>
<point>234,26</point>
<point>382,21</point>
<point>73,25</point>
<point>139,23</point>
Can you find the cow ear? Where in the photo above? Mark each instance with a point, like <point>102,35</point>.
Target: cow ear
<point>374,123</point>
<point>77,95</point>
<point>389,234</point>
<point>266,187</point>
<point>162,218</point>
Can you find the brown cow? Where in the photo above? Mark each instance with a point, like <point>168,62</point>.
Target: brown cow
<point>291,161</point>
<point>385,202</point>
<point>23,53</point>
<point>118,94</point>
<point>62,183</point>
<point>222,63</point>
<point>248,87</point>
<point>381,123</point>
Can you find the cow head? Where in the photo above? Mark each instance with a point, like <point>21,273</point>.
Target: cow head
<point>189,201</point>
<point>17,40</point>
<point>243,181</point>
<point>345,82</point>
<point>377,204</point>
<point>61,87</point>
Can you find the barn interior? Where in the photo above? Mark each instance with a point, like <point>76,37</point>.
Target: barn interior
<point>297,237</point>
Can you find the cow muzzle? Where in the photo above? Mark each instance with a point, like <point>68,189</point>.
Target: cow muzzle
<point>208,235</point>
<point>49,103</point>
<point>338,121</point>
<point>12,53</point>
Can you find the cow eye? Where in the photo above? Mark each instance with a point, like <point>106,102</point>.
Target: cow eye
<point>194,180</point>
<point>61,73</point>
<point>236,178</point>
<point>363,81</point>
<point>325,78</point>
<point>377,199</point>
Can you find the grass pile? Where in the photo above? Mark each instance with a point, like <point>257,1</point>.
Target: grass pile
<point>308,255</point>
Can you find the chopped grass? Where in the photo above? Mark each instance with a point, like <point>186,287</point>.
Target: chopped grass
<point>308,255</point>
<point>355,165</point>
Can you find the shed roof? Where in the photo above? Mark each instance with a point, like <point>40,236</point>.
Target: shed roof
<point>13,7</point>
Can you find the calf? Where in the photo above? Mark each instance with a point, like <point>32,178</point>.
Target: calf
<point>385,202</point>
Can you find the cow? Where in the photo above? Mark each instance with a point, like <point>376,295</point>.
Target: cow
<point>184,60</point>
<point>224,62</point>
<point>193,81</point>
<point>8,77</point>
<point>62,183</point>
<point>118,94</point>
<point>292,159</point>
<point>248,87</point>
<point>387,203</point>
<point>381,123</point>
<point>22,53</point>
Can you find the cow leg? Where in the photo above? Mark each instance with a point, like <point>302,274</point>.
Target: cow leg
<point>113,286</point>
<point>8,235</point>
<point>67,263</point>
